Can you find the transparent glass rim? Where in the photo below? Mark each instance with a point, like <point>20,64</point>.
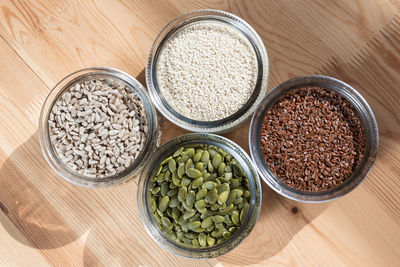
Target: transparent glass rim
<point>365,112</point>
<point>255,202</point>
<point>233,121</point>
<point>153,138</point>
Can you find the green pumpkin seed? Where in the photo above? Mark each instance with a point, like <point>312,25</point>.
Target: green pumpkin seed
<point>194,225</point>
<point>153,205</point>
<point>202,238</point>
<point>181,170</point>
<point>206,176</point>
<point>182,194</point>
<point>189,164</point>
<point>221,169</point>
<point>165,160</point>
<point>190,198</point>
<point>223,187</point>
<point>210,241</point>
<point>175,178</point>
<point>164,189</point>
<point>188,214</point>
<point>205,156</point>
<point>163,205</point>
<point>172,192</point>
<point>165,221</point>
<point>232,229</point>
<point>231,198</point>
<point>217,232</point>
<point>211,196</point>
<point>164,168</point>
<point>234,183</point>
<point>160,213</point>
<point>185,181</point>
<point>199,230</point>
<point>187,207</point>
<point>197,156</point>
<point>228,175</point>
<point>237,169</point>
<point>211,228</point>
<point>155,190</point>
<point>207,222</point>
<point>216,160</point>
<point>159,170</point>
<point>218,218</point>
<point>199,166</point>
<point>226,234</point>
<point>184,158</point>
<point>243,213</point>
<point>237,200</point>
<point>235,217</point>
<point>223,197</point>
<point>161,177</point>
<point>246,194</point>
<point>180,235</point>
<point>197,182</point>
<point>175,214</point>
<point>177,152</point>
<point>212,152</point>
<point>201,194</point>
<point>200,204</point>
<point>195,243</point>
<point>227,209</point>
<point>191,235</point>
<point>174,202</point>
<point>167,176</point>
<point>238,192</point>
<point>157,218</point>
<point>171,165</point>
<point>189,151</point>
<point>195,217</point>
<point>209,185</point>
<point>187,241</point>
<point>215,206</point>
<point>193,173</point>
<point>210,167</point>
<point>219,225</point>
<point>202,210</point>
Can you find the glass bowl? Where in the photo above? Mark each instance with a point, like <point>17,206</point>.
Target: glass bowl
<point>151,167</point>
<point>365,112</point>
<point>152,141</point>
<point>236,119</point>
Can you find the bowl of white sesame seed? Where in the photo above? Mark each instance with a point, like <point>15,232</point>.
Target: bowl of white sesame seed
<point>97,127</point>
<point>207,71</point>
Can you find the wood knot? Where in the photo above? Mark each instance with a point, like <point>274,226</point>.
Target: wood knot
<point>295,210</point>
<point>3,208</point>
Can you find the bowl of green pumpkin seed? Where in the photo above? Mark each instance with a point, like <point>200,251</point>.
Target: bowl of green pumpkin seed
<point>199,195</point>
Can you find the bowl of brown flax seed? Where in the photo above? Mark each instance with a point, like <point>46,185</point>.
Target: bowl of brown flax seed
<point>313,138</point>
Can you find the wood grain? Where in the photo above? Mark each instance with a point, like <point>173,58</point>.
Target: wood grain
<point>47,221</point>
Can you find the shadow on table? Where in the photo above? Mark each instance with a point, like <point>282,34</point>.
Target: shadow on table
<point>34,219</point>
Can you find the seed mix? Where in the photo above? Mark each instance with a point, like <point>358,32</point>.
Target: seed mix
<point>312,139</point>
<point>98,127</point>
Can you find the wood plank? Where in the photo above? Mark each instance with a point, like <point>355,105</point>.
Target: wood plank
<point>356,41</point>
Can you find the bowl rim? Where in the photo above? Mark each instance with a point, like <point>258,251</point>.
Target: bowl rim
<point>64,84</point>
<point>234,120</point>
<point>364,111</point>
<point>148,222</point>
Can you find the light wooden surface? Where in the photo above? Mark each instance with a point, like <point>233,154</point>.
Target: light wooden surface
<point>47,221</point>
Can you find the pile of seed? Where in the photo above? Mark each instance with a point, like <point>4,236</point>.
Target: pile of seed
<point>313,139</point>
<point>98,127</point>
<point>207,71</point>
<point>199,196</point>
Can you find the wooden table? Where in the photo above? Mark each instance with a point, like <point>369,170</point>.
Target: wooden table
<point>44,220</point>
